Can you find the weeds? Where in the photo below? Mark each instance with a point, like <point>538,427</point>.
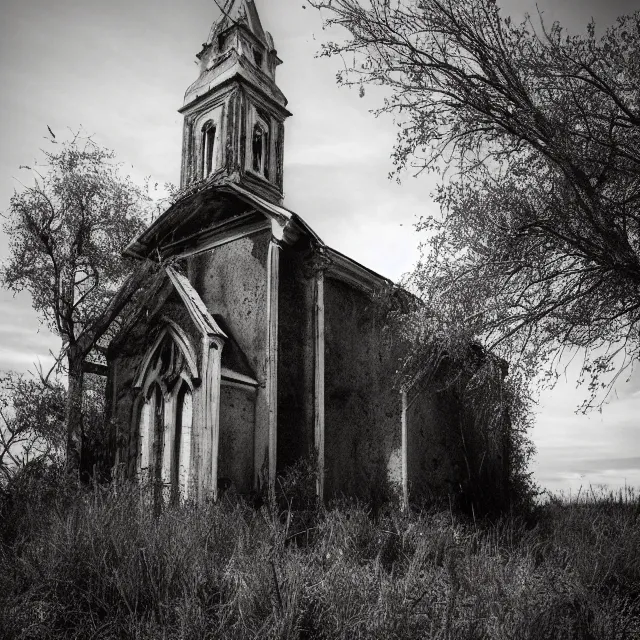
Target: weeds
<point>98,564</point>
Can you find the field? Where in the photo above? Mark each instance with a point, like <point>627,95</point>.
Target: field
<point>97,563</point>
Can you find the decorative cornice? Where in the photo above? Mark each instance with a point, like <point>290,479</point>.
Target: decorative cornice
<point>235,68</point>
<point>352,273</point>
<point>315,262</point>
<point>286,226</point>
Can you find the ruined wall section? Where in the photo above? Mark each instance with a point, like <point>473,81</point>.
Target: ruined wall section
<point>435,465</point>
<point>452,450</point>
<point>362,407</point>
<point>236,444</point>
<point>486,443</point>
<point>122,370</point>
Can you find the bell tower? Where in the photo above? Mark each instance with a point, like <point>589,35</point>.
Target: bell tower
<point>234,112</point>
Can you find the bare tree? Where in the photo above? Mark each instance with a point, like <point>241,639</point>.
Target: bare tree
<point>537,133</point>
<point>67,232</point>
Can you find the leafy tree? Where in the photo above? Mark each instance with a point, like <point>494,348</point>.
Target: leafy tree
<point>537,135</point>
<point>32,427</point>
<point>67,232</point>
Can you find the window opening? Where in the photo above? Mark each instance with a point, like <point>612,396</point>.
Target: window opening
<point>151,434</point>
<point>257,56</point>
<point>165,423</point>
<point>260,146</point>
<point>145,423</point>
<point>158,425</point>
<point>183,441</point>
<point>208,142</point>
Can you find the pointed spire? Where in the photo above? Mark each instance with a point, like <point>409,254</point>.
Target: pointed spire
<point>237,44</point>
<point>234,111</point>
<point>238,12</point>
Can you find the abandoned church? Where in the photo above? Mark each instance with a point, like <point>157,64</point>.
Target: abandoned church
<point>258,345</point>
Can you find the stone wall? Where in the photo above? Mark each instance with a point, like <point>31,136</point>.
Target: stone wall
<point>232,281</point>
<point>236,444</point>
<point>295,359</point>
<point>363,419</point>
<point>434,460</point>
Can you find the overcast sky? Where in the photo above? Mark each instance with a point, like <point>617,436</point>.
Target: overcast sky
<point>119,70</point>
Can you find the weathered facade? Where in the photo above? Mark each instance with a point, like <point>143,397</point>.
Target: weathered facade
<point>258,344</point>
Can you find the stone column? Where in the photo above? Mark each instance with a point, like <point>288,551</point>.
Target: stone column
<point>405,469</point>
<point>210,412</point>
<point>315,269</point>
<point>273,279</point>
<point>318,401</point>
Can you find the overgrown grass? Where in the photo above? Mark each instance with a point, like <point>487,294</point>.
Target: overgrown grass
<point>99,564</point>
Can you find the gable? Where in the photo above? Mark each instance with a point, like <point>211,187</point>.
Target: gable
<point>174,316</point>
<point>169,289</point>
<point>186,221</point>
<point>170,352</point>
<point>214,214</point>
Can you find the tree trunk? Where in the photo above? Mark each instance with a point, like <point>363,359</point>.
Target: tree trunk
<point>75,360</point>
<point>75,429</point>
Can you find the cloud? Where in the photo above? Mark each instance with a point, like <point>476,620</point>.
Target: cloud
<point>603,465</point>
<point>120,69</point>
<point>22,338</point>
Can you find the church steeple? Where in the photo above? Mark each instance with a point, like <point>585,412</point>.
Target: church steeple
<point>234,112</point>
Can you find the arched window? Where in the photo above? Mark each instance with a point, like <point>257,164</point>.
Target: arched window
<point>165,378</point>
<point>257,56</point>
<point>144,434</point>
<point>158,429</point>
<point>260,148</point>
<point>182,461</point>
<point>208,146</point>
<point>151,432</point>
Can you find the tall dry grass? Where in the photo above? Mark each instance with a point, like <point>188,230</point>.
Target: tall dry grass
<point>98,564</point>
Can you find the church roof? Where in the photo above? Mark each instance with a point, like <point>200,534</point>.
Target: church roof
<point>234,200</point>
<point>229,67</point>
<point>291,224</point>
<point>358,275</point>
<point>194,304</point>
<point>271,209</point>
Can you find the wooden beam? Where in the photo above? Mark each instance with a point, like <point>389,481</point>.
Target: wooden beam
<point>183,251</point>
<point>405,468</point>
<point>273,278</point>
<point>318,408</point>
<point>95,368</point>
<point>193,303</point>
<point>239,378</point>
